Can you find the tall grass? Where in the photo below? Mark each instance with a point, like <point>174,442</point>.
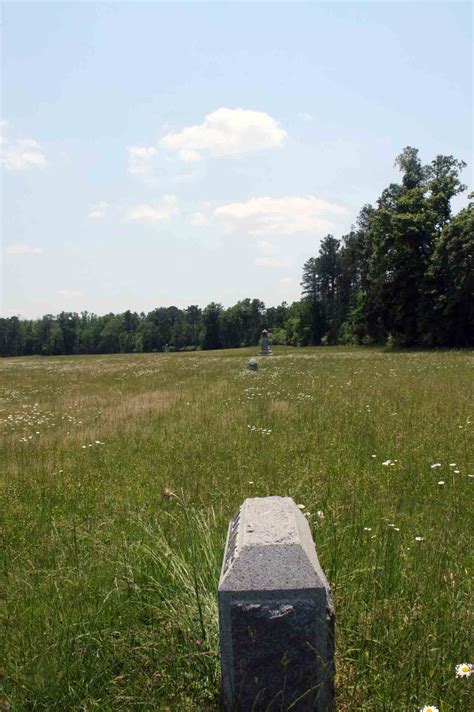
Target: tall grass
<point>98,600</point>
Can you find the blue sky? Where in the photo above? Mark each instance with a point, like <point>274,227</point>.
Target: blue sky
<point>182,153</point>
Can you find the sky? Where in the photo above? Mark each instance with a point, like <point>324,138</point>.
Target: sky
<point>158,154</point>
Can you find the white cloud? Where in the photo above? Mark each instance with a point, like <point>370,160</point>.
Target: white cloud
<point>286,280</point>
<point>279,216</point>
<point>69,293</point>
<point>305,116</point>
<point>189,154</point>
<point>23,250</point>
<point>226,132</point>
<point>142,153</point>
<point>199,219</point>
<point>139,158</point>
<point>21,153</point>
<point>98,211</point>
<point>149,214</point>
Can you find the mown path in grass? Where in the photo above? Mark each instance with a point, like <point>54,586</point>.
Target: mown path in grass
<point>97,599</point>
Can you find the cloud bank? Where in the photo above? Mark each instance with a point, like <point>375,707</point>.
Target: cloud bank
<point>279,216</point>
<point>21,153</point>
<point>225,132</point>
<point>149,214</point>
<point>139,158</point>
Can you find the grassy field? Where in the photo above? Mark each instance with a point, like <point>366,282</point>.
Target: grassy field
<point>98,610</point>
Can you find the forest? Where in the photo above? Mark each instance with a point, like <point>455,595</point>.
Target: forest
<point>402,277</point>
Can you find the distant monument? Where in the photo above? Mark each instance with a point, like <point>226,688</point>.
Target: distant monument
<point>276,615</point>
<point>265,349</point>
<point>252,364</point>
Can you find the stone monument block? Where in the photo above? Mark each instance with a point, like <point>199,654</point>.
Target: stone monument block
<point>275,613</point>
<point>252,365</point>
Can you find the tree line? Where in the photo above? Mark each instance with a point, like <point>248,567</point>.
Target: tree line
<point>161,329</point>
<point>403,276</point>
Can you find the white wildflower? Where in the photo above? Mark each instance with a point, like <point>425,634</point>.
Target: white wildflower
<point>464,670</point>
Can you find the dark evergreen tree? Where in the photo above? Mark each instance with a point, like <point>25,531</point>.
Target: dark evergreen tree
<point>312,317</point>
<point>451,283</point>
<point>329,267</point>
<point>193,317</point>
<point>211,318</point>
<point>110,335</point>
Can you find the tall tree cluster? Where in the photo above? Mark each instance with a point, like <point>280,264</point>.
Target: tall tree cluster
<point>403,275</point>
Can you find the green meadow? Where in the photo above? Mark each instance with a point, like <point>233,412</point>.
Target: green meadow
<point>97,602</point>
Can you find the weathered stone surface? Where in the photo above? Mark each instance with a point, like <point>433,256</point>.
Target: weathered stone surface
<point>252,365</point>
<point>275,612</point>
